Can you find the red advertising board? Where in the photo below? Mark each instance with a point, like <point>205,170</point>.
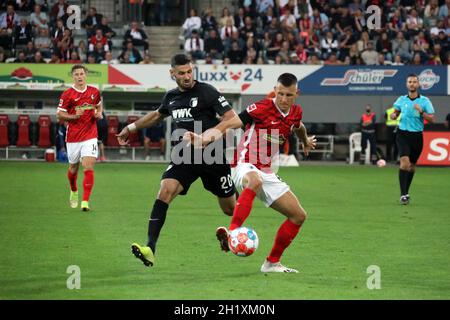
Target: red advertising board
<point>436,149</point>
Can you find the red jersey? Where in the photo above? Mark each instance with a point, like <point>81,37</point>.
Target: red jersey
<point>85,127</point>
<point>269,128</point>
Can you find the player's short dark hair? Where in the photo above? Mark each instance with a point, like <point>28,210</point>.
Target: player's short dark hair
<point>180,60</point>
<point>287,79</point>
<point>412,75</point>
<point>78,66</point>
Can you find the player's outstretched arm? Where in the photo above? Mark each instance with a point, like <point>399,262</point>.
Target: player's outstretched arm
<point>230,120</point>
<point>150,119</point>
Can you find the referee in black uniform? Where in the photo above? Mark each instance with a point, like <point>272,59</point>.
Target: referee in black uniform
<point>192,101</point>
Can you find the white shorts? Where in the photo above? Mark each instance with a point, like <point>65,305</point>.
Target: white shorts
<point>272,188</point>
<point>77,150</point>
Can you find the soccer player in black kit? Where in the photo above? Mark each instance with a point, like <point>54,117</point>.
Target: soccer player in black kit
<point>190,102</point>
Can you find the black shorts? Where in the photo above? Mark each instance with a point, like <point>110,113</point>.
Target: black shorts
<point>216,178</point>
<point>155,134</point>
<point>409,144</point>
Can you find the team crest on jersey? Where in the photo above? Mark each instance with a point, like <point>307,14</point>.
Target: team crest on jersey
<point>92,96</point>
<point>193,103</point>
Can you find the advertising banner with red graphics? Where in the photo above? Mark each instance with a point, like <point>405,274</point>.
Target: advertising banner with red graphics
<point>436,149</point>
<point>246,79</point>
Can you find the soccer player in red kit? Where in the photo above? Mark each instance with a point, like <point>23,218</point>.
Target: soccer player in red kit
<point>80,106</point>
<point>268,123</point>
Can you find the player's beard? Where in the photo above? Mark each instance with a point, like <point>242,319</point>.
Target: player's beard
<point>186,85</point>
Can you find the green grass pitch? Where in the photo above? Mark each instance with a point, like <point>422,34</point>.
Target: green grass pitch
<point>354,222</point>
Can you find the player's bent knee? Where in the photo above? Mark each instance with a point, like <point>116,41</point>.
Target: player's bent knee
<point>166,194</point>
<point>255,183</point>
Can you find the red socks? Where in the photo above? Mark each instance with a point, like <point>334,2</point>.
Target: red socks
<point>72,180</point>
<point>88,183</point>
<point>242,209</point>
<point>286,233</point>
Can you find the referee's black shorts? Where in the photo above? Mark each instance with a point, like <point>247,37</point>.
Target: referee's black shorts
<point>409,144</point>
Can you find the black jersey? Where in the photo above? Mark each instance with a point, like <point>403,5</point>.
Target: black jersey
<point>201,103</point>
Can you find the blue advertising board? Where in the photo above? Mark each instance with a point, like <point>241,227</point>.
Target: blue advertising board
<point>376,80</point>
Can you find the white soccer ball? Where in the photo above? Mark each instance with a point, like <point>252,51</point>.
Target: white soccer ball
<point>381,163</point>
<point>243,241</point>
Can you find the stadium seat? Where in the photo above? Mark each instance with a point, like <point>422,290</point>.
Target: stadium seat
<point>113,129</point>
<point>133,138</point>
<point>355,146</point>
<point>4,138</point>
<point>23,128</point>
<point>44,123</point>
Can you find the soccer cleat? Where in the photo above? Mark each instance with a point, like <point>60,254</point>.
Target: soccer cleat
<point>404,200</point>
<point>85,206</point>
<point>73,200</point>
<point>276,267</point>
<point>407,196</point>
<point>145,254</point>
<point>222,236</point>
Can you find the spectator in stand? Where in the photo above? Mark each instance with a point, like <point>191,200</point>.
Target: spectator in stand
<point>363,41</point>
<point>434,32</point>
<point>235,54</point>
<point>29,50</point>
<point>333,60</point>
<point>58,32</point>
<point>248,30</point>
<point>249,7</point>
<point>268,16</point>
<point>21,58</point>
<point>65,46</point>
<point>437,57</point>
<point>416,60</point>
<point>320,22</point>
<point>92,21</point>
<point>239,18</point>
<point>401,47</point>
<point>370,56</point>
<point>284,52</point>
<point>359,22</point>
<point>195,46</point>
<point>98,37</point>
<point>278,60</point>
<point>275,46</point>
<point>38,19</point>
<point>214,45</point>
<point>305,27</point>
<point>293,59</point>
<point>74,58</point>
<point>59,11</point>
<point>345,21</point>
<point>382,60</point>
<point>328,45</point>
<point>354,6</point>
<point>23,33</point>
<point>301,53</point>
<point>98,52</point>
<point>9,20</point>
<point>227,30</point>
<point>37,58</point>
<point>107,31</point>
<point>431,14</point>
<point>234,37</point>
<point>251,56</point>
<point>194,22</point>
<point>130,54</point>
<point>147,59</point>
<point>6,41</point>
<point>82,50</point>
<point>273,28</point>
<point>353,54</point>
<point>55,58</point>
<point>346,42</point>
<point>137,36</point>
<point>396,23</point>
<point>414,23</point>
<point>384,46</point>
<point>288,22</point>
<point>209,21</point>
<point>91,59</point>
<point>397,61</point>
<point>421,52</point>
<point>314,60</point>
<point>444,10</point>
<point>225,16</point>
<point>109,59</point>
<point>442,39</point>
<point>3,56</point>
